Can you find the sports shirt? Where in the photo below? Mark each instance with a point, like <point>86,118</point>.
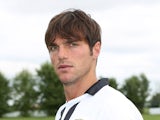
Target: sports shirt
<point>100,102</point>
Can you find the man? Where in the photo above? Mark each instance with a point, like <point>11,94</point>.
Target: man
<point>73,39</point>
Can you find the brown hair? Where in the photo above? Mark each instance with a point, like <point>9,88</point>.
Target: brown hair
<point>74,24</point>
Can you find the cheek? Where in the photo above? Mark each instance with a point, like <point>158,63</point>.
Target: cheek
<point>53,59</point>
<point>81,52</point>
<point>83,58</point>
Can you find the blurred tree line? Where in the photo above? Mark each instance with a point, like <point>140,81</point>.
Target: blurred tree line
<point>44,92</point>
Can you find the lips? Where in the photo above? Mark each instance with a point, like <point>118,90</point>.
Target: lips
<point>64,66</point>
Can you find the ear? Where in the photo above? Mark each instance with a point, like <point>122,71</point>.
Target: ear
<point>96,49</point>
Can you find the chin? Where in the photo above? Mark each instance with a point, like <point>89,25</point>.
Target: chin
<point>64,79</point>
<point>67,81</point>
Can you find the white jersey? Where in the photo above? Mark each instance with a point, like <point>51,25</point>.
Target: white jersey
<point>100,102</point>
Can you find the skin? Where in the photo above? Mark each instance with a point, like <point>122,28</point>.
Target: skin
<point>75,65</point>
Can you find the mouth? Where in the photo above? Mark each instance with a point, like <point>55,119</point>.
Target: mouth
<point>64,67</point>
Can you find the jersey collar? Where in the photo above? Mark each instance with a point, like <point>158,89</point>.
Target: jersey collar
<point>97,86</point>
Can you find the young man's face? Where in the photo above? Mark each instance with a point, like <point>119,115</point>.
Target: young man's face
<point>72,60</point>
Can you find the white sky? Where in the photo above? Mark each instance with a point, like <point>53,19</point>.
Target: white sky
<point>130,35</point>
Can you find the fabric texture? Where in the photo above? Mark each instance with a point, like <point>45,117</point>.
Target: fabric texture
<point>100,102</point>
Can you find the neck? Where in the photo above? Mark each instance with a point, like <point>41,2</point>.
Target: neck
<point>79,88</point>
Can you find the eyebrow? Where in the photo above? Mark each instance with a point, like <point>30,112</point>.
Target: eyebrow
<point>67,40</point>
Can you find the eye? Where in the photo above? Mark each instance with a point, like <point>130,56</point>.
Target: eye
<point>72,44</point>
<point>53,48</point>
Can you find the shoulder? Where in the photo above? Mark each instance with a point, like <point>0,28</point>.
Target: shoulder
<point>112,98</point>
<point>116,104</point>
<point>109,93</point>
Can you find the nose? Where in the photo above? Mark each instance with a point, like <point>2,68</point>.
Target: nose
<point>62,52</point>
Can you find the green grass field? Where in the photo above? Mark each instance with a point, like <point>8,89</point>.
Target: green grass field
<point>36,118</point>
<point>146,117</point>
<point>151,117</point>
